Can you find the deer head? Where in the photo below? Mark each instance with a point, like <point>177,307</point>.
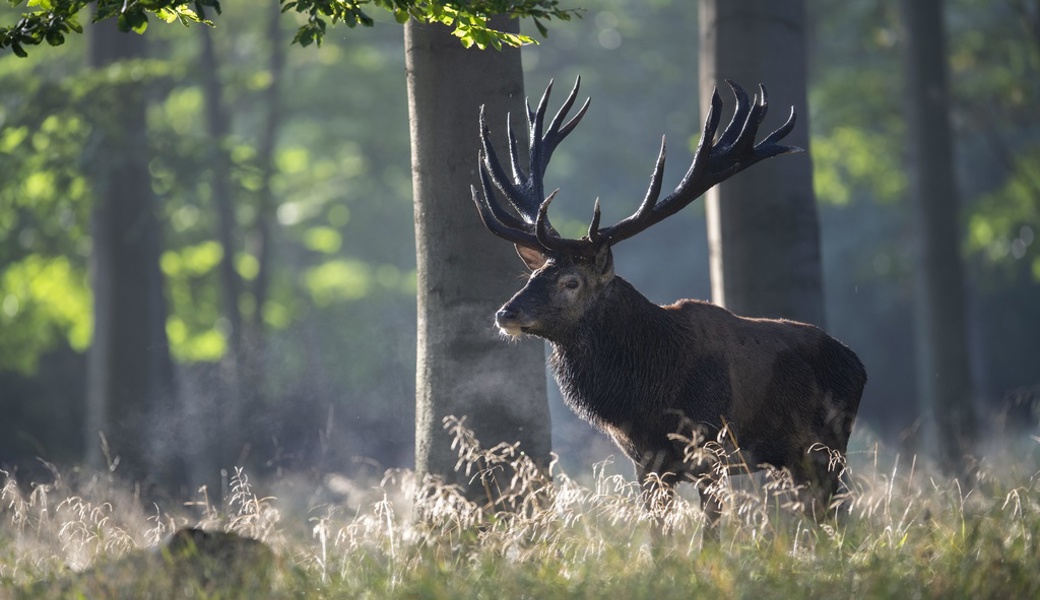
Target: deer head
<point>569,274</point>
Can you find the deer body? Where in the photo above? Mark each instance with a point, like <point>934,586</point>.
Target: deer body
<point>640,372</point>
<point>774,383</point>
<point>662,379</point>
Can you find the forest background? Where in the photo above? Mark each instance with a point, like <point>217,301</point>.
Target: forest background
<point>322,173</point>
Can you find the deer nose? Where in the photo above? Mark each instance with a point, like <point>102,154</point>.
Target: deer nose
<point>504,315</point>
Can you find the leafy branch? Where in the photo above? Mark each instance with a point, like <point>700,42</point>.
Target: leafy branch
<point>51,20</point>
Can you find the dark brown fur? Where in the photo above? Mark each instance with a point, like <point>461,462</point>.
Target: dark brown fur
<point>640,372</point>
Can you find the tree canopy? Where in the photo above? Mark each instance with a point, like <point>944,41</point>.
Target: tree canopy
<point>51,21</point>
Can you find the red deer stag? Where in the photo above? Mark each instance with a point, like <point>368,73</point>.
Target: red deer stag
<point>643,373</point>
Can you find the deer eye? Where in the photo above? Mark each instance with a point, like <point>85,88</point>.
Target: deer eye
<point>572,283</point>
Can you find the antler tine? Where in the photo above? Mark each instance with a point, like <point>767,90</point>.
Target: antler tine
<point>713,162</point>
<point>769,146</point>
<point>711,125</point>
<point>656,179</point>
<point>543,141</point>
<point>514,154</point>
<point>554,126</point>
<point>741,116</point>
<point>536,162</point>
<point>650,211</point>
<point>489,162</point>
<point>759,108</point>
<point>549,239</point>
<point>543,232</point>
<point>498,221</point>
<point>594,226</point>
<point>510,234</point>
<point>503,216</point>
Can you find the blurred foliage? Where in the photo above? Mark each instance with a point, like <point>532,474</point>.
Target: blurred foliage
<point>995,78</point>
<point>341,215</point>
<point>850,157</point>
<point>51,21</point>
<point>855,103</point>
<point>47,299</point>
<point>1002,229</point>
<point>44,228</point>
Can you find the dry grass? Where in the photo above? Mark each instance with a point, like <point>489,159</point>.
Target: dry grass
<point>904,531</point>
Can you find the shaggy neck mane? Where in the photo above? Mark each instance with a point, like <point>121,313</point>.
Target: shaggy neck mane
<point>602,366</point>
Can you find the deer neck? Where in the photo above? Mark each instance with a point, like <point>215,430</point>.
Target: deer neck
<point>602,366</point>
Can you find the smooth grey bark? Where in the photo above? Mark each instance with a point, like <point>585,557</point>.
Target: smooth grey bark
<point>944,383</point>
<point>763,230</point>
<point>464,367</point>
<point>129,371</point>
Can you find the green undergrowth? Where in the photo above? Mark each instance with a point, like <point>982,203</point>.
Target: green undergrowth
<point>903,531</point>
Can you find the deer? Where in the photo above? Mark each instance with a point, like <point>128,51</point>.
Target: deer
<point>666,383</point>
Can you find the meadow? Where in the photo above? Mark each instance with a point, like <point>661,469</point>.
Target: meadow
<point>904,531</point>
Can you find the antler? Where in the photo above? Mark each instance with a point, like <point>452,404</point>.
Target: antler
<point>525,192</point>
<point>714,161</point>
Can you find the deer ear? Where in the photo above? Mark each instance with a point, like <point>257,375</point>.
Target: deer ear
<point>604,263</point>
<point>534,259</point>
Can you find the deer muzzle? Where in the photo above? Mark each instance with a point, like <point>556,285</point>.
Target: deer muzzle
<point>512,322</point>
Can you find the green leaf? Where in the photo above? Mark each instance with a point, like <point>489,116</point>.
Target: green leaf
<point>142,25</point>
<point>541,28</point>
<point>167,15</point>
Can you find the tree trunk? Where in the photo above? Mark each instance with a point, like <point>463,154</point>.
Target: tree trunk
<point>261,241</point>
<point>943,371</point>
<point>464,368</point>
<point>763,231</point>
<point>218,124</point>
<point>221,451</point>
<point>130,375</point>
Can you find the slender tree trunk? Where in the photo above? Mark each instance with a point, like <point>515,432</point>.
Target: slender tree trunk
<point>223,449</point>
<point>261,241</point>
<point>943,370</point>
<point>219,125</point>
<point>763,231</point>
<point>465,368</point>
<point>260,238</point>
<point>130,375</point>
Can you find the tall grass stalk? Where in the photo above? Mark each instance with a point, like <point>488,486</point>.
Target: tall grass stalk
<point>903,531</point>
